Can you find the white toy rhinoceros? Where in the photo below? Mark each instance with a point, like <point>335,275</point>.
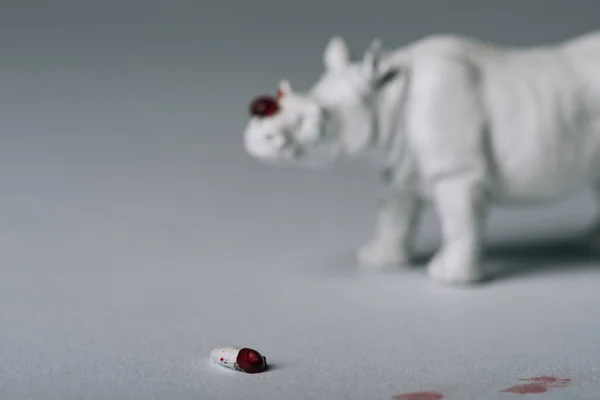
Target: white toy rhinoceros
<point>449,120</point>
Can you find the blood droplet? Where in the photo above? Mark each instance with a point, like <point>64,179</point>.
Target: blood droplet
<point>419,396</point>
<point>527,388</point>
<point>550,381</point>
<point>254,358</point>
<point>539,384</point>
<point>264,106</point>
<point>251,361</point>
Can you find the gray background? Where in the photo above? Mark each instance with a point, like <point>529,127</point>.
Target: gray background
<point>136,235</point>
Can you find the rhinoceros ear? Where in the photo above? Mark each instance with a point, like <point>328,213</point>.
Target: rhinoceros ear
<point>375,69</point>
<point>337,53</point>
<point>371,60</point>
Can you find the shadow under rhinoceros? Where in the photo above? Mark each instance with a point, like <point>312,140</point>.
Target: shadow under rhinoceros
<point>513,260</point>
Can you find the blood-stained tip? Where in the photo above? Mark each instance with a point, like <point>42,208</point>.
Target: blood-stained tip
<point>251,361</point>
<point>264,106</point>
<point>239,359</point>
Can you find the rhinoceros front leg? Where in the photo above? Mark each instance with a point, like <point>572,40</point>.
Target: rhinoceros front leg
<point>448,129</point>
<point>397,220</point>
<point>461,206</point>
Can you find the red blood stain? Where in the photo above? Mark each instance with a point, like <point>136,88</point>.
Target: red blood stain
<point>542,379</point>
<point>538,384</point>
<point>264,106</point>
<point>528,388</point>
<point>222,359</point>
<point>419,396</point>
<point>550,381</point>
<point>251,361</point>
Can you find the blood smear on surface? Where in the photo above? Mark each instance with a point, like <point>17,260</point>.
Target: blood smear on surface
<point>419,396</point>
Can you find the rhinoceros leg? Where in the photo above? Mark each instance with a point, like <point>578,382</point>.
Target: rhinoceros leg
<point>448,129</point>
<point>461,206</point>
<point>591,237</point>
<point>397,223</point>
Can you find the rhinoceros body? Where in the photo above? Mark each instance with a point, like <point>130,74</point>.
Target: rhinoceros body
<point>455,122</point>
<point>529,117</point>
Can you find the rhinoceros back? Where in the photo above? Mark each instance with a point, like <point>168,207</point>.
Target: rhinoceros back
<point>583,53</point>
<point>541,139</point>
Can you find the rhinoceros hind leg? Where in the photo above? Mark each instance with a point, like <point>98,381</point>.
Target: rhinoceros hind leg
<point>591,237</point>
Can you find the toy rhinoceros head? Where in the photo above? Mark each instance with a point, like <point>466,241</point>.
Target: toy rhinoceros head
<point>335,117</point>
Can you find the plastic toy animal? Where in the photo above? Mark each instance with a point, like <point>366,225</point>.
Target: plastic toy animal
<point>451,121</point>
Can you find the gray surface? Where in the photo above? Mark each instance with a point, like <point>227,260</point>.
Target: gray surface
<point>136,235</point>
